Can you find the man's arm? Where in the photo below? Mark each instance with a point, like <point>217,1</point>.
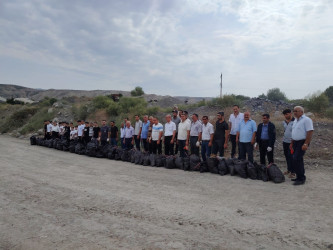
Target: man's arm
<point>253,137</point>
<point>237,136</point>
<point>188,137</point>
<point>173,136</point>
<point>211,140</point>
<point>160,134</point>
<point>307,140</point>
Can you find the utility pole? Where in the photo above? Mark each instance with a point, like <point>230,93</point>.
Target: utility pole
<point>221,87</point>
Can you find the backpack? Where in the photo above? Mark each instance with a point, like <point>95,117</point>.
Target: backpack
<point>275,174</point>
<point>222,167</point>
<point>194,162</point>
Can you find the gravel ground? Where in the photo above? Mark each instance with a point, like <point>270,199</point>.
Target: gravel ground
<point>56,200</point>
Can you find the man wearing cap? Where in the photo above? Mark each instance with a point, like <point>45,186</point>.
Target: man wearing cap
<point>234,121</point>
<point>176,120</point>
<point>301,137</point>
<point>246,135</point>
<point>221,135</point>
<point>207,136</point>
<point>183,135</point>
<point>196,129</point>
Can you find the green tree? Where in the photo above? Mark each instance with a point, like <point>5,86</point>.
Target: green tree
<point>329,93</point>
<point>318,103</point>
<point>276,94</point>
<point>101,102</point>
<point>138,91</point>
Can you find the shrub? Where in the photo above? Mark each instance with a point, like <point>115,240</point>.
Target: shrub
<point>318,103</point>
<point>37,120</point>
<point>152,110</point>
<point>276,95</point>
<point>113,109</point>
<point>101,102</point>
<point>225,101</point>
<point>14,102</point>
<point>329,112</point>
<point>130,104</point>
<point>18,119</point>
<point>329,93</point>
<point>138,91</point>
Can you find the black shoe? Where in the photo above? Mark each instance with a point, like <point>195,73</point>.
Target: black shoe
<point>294,179</point>
<point>299,182</point>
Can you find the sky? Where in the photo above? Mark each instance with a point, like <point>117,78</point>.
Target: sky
<point>168,47</point>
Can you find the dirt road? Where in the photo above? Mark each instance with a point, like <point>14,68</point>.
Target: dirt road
<point>57,200</point>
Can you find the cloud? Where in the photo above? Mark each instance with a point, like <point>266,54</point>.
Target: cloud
<point>169,47</point>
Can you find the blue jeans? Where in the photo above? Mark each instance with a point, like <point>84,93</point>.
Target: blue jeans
<point>113,142</point>
<point>298,162</point>
<point>205,150</point>
<point>122,143</point>
<point>246,148</point>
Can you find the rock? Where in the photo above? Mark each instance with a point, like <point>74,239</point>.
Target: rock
<point>40,131</point>
<point>55,105</point>
<point>59,113</point>
<point>21,137</point>
<point>50,110</point>
<point>309,114</point>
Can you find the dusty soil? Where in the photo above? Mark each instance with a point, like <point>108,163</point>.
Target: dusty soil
<point>56,200</point>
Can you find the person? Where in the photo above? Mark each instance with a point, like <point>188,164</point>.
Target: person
<point>186,115</point>
<point>55,130</point>
<point>156,136</point>
<point>196,129</point>
<point>207,136</point>
<point>288,125</point>
<point>265,137</point>
<point>176,120</point>
<point>169,135</point>
<point>144,132</point>
<point>80,127</point>
<point>61,129</point>
<point>85,134</point>
<point>234,121</point>
<point>49,130</point>
<point>45,129</point>
<point>96,130</point>
<point>184,128</point>
<point>113,133</point>
<point>67,130</point>
<point>104,134</point>
<point>221,134</point>
<point>246,135</point>
<point>301,135</point>
<point>137,131</point>
<point>150,129</point>
<point>122,134</point>
<point>91,130</point>
<point>129,136</point>
<point>73,134</point>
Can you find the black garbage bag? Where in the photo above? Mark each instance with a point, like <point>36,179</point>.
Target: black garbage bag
<point>80,148</point>
<point>212,165</point>
<point>275,174</point>
<point>170,162</point>
<point>50,143</point>
<point>240,168</point>
<point>203,167</point>
<point>160,160</point>
<point>105,149</point>
<point>126,155</point>
<point>132,155</point>
<point>38,141</point>
<point>137,157</point>
<point>262,173</point>
<point>231,166</point>
<point>91,149</point>
<point>251,170</point>
<point>152,158</point>
<point>72,145</point>
<point>112,152</point>
<point>186,163</point>
<point>146,159</point>
<point>222,166</point>
<point>33,140</point>
<point>194,162</point>
<point>118,154</point>
<point>65,144</point>
<point>57,144</point>
<point>179,162</point>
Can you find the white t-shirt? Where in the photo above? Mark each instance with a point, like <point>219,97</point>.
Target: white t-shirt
<point>156,131</point>
<point>122,132</point>
<point>207,131</point>
<point>183,127</point>
<point>169,128</point>
<point>137,127</point>
<point>55,128</point>
<point>73,134</point>
<point>61,130</point>
<point>301,126</point>
<point>49,128</point>
<point>235,122</point>
<point>80,129</point>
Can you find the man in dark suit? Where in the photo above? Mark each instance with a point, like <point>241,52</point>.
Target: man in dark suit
<point>266,135</point>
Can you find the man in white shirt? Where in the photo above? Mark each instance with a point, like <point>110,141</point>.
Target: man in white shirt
<point>55,130</point>
<point>176,120</point>
<point>122,134</point>
<point>156,136</point>
<point>234,121</point>
<point>80,127</point>
<point>196,128</point>
<point>73,133</point>
<point>301,136</point>
<point>129,136</point>
<point>48,130</point>
<point>169,135</point>
<point>184,128</point>
<point>207,136</point>
<point>137,131</point>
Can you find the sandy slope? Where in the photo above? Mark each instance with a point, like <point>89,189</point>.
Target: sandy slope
<point>57,200</point>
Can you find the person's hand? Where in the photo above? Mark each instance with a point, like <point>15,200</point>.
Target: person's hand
<point>252,142</point>
<point>107,139</point>
<point>209,144</point>
<point>197,144</point>
<point>256,146</point>
<point>186,143</point>
<point>269,149</point>
<point>237,140</point>
<point>132,142</point>
<point>304,147</point>
<point>171,142</point>
<point>291,147</point>
<point>158,142</point>
<point>225,145</point>
<point>138,137</point>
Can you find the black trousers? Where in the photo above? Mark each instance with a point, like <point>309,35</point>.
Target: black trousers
<point>175,142</point>
<point>145,144</point>
<point>156,148</point>
<point>182,151</point>
<point>218,146</point>
<point>298,161</point>
<point>137,142</point>
<point>128,143</point>
<point>55,135</point>
<point>246,148</point>
<point>233,146</point>
<point>48,135</point>
<point>104,142</point>
<point>288,156</point>
<point>194,148</point>
<point>263,144</point>
<point>168,146</point>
